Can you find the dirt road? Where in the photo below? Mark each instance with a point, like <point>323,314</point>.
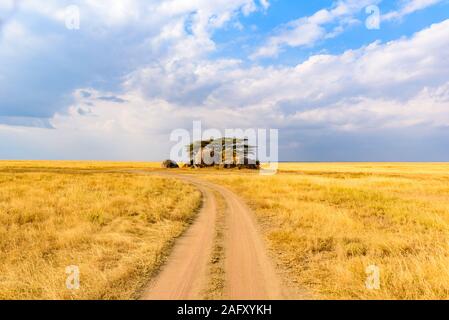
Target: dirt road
<point>185,275</point>
<point>249,273</point>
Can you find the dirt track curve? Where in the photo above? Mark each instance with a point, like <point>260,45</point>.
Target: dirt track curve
<point>249,273</point>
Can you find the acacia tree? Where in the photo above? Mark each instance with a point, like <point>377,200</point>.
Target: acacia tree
<point>240,149</point>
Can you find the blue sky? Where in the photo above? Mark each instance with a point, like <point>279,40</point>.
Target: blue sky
<point>135,70</point>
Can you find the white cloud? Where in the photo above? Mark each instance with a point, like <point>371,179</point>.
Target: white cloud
<point>173,28</point>
<point>265,4</point>
<point>426,108</point>
<point>307,31</point>
<point>398,84</point>
<point>409,6</point>
<point>17,40</point>
<point>114,38</point>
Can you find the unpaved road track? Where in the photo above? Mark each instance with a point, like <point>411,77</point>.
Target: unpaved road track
<point>249,273</point>
<point>185,275</point>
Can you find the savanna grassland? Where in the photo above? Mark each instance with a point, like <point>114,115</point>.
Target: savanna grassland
<point>116,227</point>
<point>327,222</point>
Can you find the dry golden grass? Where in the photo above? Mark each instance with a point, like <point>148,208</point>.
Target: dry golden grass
<point>116,227</point>
<point>327,222</point>
<point>75,165</point>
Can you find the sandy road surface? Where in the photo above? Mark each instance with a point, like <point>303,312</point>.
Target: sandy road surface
<point>249,272</point>
<point>184,277</point>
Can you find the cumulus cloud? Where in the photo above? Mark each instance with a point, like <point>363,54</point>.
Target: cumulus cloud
<point>170,80</point>
<point>8,9</point>
<point>114,38</point>
<point>398,84</point>
<point>408,7</point>
<point>306,31</point>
